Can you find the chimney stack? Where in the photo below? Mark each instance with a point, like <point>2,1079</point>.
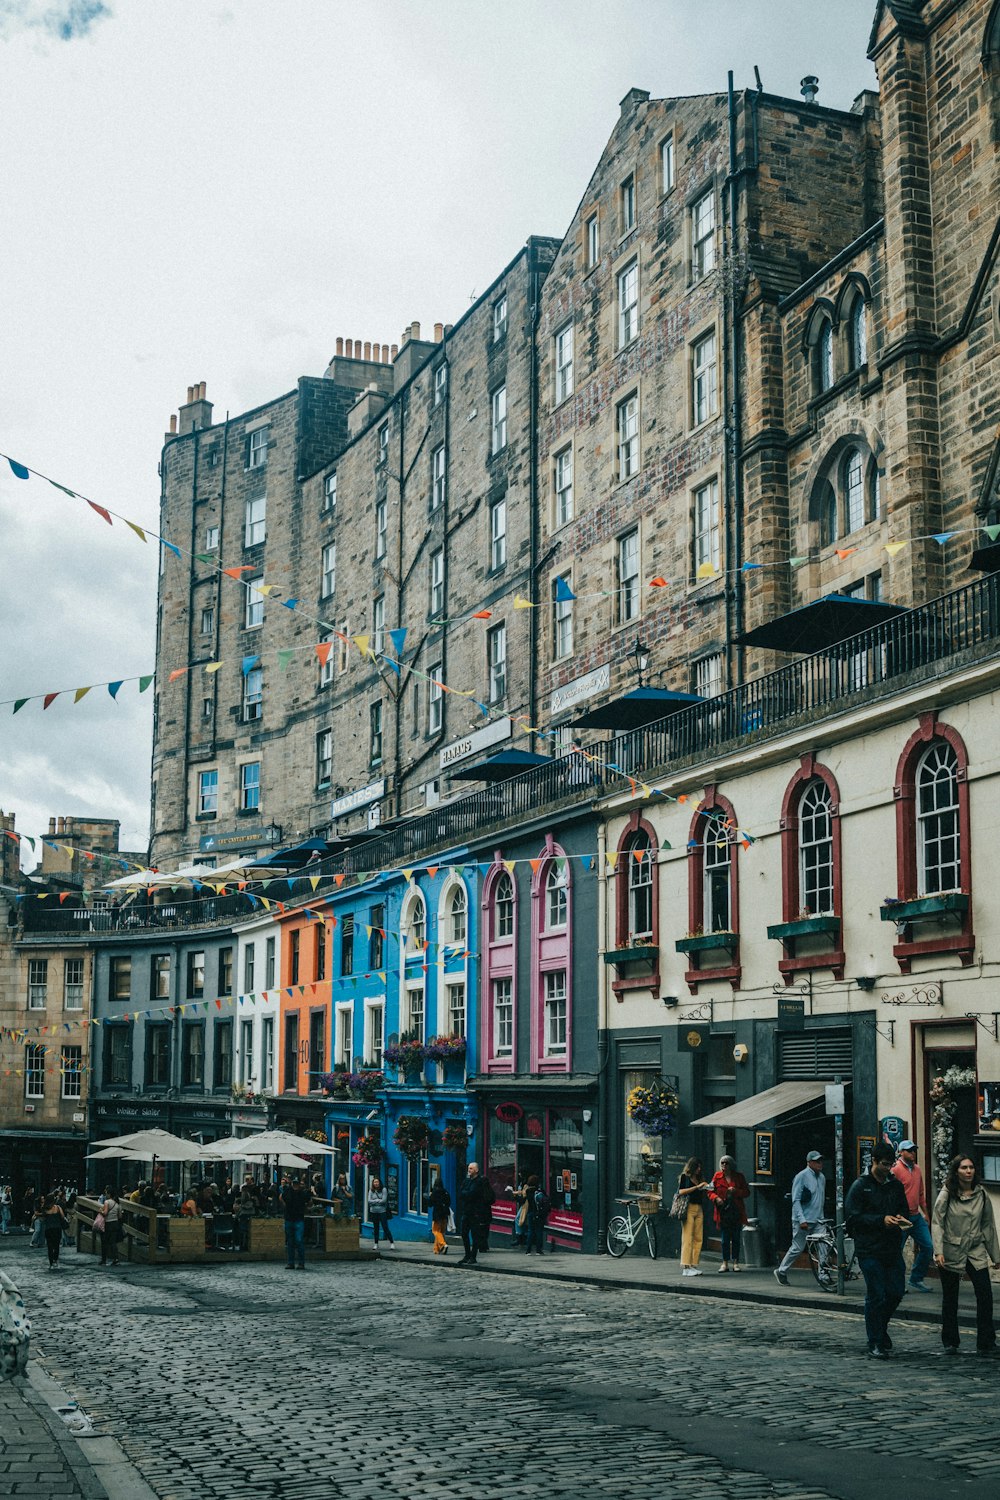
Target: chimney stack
<point>340,349</point>
<point>438,332</point>
<point>52,825</point>
<point>196,413</point>
<point>414,331</point>
<point>368,349</point>
<point>394,351</point>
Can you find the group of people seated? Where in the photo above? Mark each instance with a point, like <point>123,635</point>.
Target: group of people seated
<point>228,1207</point>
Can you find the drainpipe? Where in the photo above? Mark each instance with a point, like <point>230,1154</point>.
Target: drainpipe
<point>397,771</point>
<point>603,1046</point>
<point>533,314</point>
<point>734,464</point>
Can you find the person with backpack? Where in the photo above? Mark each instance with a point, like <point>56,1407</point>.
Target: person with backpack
<point>539,1204</point>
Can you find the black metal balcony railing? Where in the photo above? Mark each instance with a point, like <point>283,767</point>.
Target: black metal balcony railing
<point>888,658</point>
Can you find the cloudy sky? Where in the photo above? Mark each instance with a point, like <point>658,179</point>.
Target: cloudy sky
<point>208,191</point>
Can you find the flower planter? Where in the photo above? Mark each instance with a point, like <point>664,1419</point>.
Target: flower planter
<point>804,927</point>
<point>341,1235</point>
<point>925,906</point>
<point>638,953</point>
<point>705,941</point>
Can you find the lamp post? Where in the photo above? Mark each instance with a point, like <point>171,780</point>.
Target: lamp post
<point>640,655</point>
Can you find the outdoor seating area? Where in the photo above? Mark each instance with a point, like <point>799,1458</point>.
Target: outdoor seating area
<point>205,1221</point>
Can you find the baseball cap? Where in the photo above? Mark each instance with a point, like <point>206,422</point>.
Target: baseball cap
<point>814,1156</point>
<point>907,1146</point>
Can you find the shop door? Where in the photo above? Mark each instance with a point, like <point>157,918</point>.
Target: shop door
<point>530,1159</point>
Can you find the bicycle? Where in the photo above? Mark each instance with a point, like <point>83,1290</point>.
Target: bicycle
<point>821,1247</point>
<point>623,1231</point>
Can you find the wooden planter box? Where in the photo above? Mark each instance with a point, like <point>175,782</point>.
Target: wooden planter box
<point>186,1238</point>
<point>925,906</point>
<point>341,1235</point>
<point>804,927</point>
<point>704,942</point>
<point>638,953</point>
<point>267,1237</point>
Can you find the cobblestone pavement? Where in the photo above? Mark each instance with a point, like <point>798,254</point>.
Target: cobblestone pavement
<point>37,1459</point>
<point>395,1378</point>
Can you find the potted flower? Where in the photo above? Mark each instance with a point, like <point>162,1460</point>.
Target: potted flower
<point>455,1138</point>
<point>368,1153</point>
<point>366,1084</point>
<point>654,1109</point>
<point>445,1049</point>
<point>407,1055</point>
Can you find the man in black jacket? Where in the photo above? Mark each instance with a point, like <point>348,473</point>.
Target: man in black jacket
<point>876,1217</point>
<point>472,1212</point>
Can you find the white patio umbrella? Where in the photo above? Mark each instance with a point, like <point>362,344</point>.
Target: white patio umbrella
<point>267,1143</point>
<point>119,1153</point>
<point>155,1145</point>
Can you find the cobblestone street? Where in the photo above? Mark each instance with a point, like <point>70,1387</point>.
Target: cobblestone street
<point>365,1379</point>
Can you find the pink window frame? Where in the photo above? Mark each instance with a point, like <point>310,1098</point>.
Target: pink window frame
<point>809,770</point>
<point>499,962</point>
<point>550,952</point>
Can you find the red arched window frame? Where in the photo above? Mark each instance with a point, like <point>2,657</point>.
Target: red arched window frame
<point>698,971</point>
<point>636,825</point>
<point>551,952</point>
<point>791,901</point>
<point>500,963</point>
<point>963,941</point>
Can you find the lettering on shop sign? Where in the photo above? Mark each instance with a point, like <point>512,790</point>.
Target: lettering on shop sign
<point>923,994</point>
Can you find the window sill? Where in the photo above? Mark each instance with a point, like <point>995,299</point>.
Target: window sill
<point>804,927</point>
<point>248,812</point>
<point>205,817</point>
<point>793,962</point>
<point>947,903</point>
<point>636,953</point>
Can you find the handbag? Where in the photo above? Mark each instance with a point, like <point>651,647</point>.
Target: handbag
<point>679,1206</point>
<point>100,1223</point>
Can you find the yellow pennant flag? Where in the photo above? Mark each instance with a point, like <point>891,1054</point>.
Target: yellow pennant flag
<point>611,855</point>
<point>706,571</point>
<point>213,666</point>
<point>267,589</point>
<point>895,547</point>
<point>314,881</point>
<point>510,865</point>
<point>80,693</point>
<point>137,529</point>
<point>408,874</point>
<point>520,603</point>
<point>361,641</point>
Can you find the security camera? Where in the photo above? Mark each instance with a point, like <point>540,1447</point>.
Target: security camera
<point>740,1053</point>
<point>371,1115</point>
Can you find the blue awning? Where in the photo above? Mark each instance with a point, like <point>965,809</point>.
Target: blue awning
<point>643,705</point>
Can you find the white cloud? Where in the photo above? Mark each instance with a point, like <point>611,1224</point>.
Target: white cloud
<point>65,20</point>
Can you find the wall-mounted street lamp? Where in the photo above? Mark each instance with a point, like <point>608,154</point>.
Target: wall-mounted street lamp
<point>640,655</point>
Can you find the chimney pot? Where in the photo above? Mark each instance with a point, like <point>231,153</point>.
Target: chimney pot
<point>438,332</point>
<point>190,394</point>
<point>414,330</point>
<point>385,354</point>
<point>52,825</point>
<point>368,349</point>
<point>395,351</point>
<point>350,348</point>
<point>340,347</point>
<point>810,88</point>
<point>173,423</point>
<point>447,329</point>
<point>62,825</point>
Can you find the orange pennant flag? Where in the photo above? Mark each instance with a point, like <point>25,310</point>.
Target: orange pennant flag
<point>658,583</point>
<point>177,672</point>
<point>535,865</point>
<point>238,572</point>
<point>338,880</point>
<point>483,614</point>
<point>323,651</point>
<point>432,870</point>
<point>843,552</point>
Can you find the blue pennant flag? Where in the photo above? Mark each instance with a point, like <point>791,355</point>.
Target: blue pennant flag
<point>398,639</point>
<point>249,662</point>
<point>563,591</point>
<point>18,470</point>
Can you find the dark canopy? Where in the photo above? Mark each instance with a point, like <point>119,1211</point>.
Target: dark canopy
<point>817,626</point>
<point>501,767</point>
<point>641,706</point>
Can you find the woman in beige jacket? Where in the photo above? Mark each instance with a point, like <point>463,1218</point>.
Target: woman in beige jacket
<point>965,1239</point>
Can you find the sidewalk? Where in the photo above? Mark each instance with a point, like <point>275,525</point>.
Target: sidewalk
<point>38,1457</point>
<point>639,1273</point>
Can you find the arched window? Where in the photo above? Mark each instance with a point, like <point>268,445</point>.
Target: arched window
<point>829,530</point>
<point>939,843</point>
<point>816,850</point>
<point>713,892</point>
<point>857,334</point>
<point>931,793</point>
<point>716,889</point>
<point>810,931</point>
<point>503,907</point>
<point>498,1028</point>
<point>555,896</point>
<point>824,357</point>
<point>853,489</point>
<point>636,894</point>
<point>551,962</point>
<point>457,910</point>
<point>414,920</point>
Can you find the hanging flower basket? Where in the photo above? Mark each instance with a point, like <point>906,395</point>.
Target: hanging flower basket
<point>368,1153</point>
<point>412,1136</point>
<point>409,1056</point>
<point>445,1049</point>
<point>944,1109</point>
<point>654,1109</point>
<point>455,1138</point>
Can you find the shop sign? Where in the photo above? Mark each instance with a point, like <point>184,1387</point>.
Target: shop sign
<point>695,1038</point>
<point>471,744</point>
<point>580,689</point>
<point>791,1014</point>
<point>893,1130</point>
<point>509,1112</point>
<point>764,1153</point>
<point>244,838</point>
<point>351,801</point>
<point>866,1152</point>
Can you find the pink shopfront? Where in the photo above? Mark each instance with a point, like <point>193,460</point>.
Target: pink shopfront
<point>547,1142</point>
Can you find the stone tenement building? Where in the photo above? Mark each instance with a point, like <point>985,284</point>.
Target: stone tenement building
<point>769,333</point>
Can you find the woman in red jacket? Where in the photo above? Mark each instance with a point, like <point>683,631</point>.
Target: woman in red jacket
<point>730,1190</point>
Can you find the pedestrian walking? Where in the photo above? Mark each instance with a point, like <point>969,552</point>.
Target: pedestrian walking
<point>909,1174</point>
<point>730,1191</point>
<point>692,1186</point>
<point>471,1206</point>
<point>53,1222</point>
<point>440,1209</point>
<point>486,1218</point>
<point>965,1239</point>
<point>539,1205</point>
<point>6,1208</point>
<point>876,1217</point>
<point>295,1199</point>
<point>519,1231</point>
<point>808,1200</point>
<point>378,1210</point>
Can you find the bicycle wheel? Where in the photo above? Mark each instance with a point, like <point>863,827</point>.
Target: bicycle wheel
<point>651,1238</point>
<point>824,1271</point>
<point>619,1237</point>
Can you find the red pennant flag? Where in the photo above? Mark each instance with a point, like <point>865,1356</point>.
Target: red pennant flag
<point>658,583</point>
<point>49,698</point>
<point>483,614</point>
<point>100,511</point>
<point>218,1004</point>
<point>323,651</point>
<point>62,897</point>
